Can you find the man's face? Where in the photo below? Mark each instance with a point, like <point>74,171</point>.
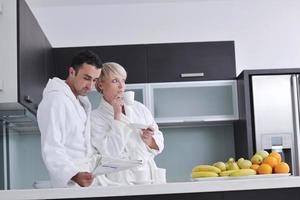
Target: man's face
<point>85,79</point>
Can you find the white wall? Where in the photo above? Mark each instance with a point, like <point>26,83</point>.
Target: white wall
<point>8,51</point>
<point>266,32</point>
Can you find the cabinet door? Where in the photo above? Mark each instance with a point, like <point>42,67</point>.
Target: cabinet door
<point>131,57</point>
<point>138,89</point>
<point>191,61</point>
<point>35,59</point>
<point>194,101</point>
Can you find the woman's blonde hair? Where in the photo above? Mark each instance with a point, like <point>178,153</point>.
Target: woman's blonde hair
<point>108,69</point>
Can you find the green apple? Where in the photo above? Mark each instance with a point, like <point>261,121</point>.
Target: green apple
<point>262,153</point>
<point>257,159</point>
<point>244,164</point>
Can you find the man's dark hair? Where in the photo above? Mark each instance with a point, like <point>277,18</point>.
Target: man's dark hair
<point>87,57</point>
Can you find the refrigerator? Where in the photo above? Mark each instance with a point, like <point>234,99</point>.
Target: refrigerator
<point>275,104</point>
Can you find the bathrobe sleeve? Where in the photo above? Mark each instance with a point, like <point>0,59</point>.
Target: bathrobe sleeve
<point>158,136</point>
<point>53,120</point>
<point>109,136</point>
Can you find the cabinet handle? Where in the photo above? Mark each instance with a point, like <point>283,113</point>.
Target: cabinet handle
<point>189,75</point>
<point>28,99</point>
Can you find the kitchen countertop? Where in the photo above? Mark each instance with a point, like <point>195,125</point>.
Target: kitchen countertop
<point>169,188</point>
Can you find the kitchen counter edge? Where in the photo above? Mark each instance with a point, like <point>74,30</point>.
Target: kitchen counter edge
<point>157,189</point>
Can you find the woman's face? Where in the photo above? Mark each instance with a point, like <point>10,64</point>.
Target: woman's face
<point>112,87</point>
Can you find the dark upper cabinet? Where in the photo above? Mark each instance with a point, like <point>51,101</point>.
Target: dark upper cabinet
<point>161,62</point>
<point>169,62</point>
<point>34,58</point>
<point>131,57</point>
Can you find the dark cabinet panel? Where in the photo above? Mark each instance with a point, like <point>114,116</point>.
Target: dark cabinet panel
<point>62,58</point>
<point>263,194</point>
<point>167,62</point>
<point>187,196</point>
<point>161,62</point>
<point>131,57</point>
<point>274,194</point>
<point>34,58</point>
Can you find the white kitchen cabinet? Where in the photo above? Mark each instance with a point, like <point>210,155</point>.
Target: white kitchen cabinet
<point>202,101</point>
<point>139,90</point>
<point>178,102</point>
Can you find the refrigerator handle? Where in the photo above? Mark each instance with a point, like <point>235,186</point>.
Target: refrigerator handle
<point>296,123</point>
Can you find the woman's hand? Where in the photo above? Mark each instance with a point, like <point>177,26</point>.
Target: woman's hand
<point>117,104</point>
<point>84,179</point>
<point>147,137</point>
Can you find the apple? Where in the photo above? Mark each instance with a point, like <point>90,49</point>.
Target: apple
<point>257,159</point>
<point>244,164</point>
<point>262,153</point>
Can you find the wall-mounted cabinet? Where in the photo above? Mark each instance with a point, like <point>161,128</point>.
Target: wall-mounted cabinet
<point>131,57</point>
<point>191,61</point>
<point>202,101</point>
<point>171,62</point>
<point>35,59</point>
<point>184,102</point>
<point>140,94</point>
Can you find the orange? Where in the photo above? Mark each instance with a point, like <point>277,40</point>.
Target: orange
<point>264,169</point>
<point>254,167</point>
<point>282,168</point>
<point>276,155</point>
<point>270,160</point>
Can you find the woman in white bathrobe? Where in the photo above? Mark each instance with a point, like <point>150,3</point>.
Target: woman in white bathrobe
<point>112,134</point>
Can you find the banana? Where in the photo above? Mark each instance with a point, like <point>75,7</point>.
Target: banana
<point>228,172</point>
<point>204,174</point>
<point>206,168</point>
<point>232,165</point>
<point>243,172</point>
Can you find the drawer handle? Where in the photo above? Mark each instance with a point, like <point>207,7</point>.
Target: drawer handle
<point>189,75</point>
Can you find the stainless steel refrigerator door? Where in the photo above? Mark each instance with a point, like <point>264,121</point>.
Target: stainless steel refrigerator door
<point>274,114</point>
<point>272,104</point>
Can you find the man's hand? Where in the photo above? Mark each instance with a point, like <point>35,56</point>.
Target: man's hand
<point>84,179</point>
<point>147,137</point>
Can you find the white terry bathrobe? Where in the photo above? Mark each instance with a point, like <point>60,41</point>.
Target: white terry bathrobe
<point>64,123</point>
<point>118,139</point>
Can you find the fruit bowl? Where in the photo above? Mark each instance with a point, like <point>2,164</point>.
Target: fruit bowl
<point>257,176</point>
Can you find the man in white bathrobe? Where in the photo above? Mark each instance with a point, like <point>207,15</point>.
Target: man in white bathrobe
<point>64,121</point>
